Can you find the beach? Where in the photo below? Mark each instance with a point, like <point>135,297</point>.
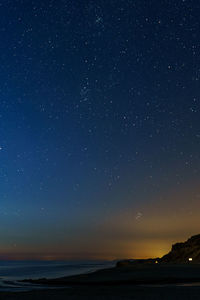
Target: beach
<point>166,282</point>
<point>145,274</point>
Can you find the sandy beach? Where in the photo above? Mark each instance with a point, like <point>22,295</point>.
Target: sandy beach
<point>145,274</point>
<point>166,282</point>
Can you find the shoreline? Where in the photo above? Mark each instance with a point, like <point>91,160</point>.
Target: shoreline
<point>135,275</point>
<point>137,282</point>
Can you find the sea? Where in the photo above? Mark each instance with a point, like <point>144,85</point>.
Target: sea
<point>12,272</point>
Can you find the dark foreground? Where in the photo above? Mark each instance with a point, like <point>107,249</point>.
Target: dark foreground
<point>139,282</point>
<point>100,293</point>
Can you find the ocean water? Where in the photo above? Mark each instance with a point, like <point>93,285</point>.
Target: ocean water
<point>13,271</point>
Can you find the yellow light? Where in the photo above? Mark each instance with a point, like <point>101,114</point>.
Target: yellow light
<point>156,262</point>
<point>190,259</point>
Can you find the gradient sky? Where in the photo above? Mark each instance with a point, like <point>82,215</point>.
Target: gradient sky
<point>99,127</point>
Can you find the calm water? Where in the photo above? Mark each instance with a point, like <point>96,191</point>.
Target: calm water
<point>12,271</point>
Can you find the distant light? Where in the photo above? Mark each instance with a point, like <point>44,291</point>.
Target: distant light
<point>156,262</point>
<point>190,259</point>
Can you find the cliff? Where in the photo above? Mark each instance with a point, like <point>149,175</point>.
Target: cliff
<point>188,251</point>
<point>181,253</point>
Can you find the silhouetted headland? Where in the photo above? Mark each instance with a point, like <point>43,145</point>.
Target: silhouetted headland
<point>187,252</point>
<point>181,253</point>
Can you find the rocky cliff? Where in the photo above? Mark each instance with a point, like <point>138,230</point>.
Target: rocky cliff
<point>183,253</point>
<point>186,252</point>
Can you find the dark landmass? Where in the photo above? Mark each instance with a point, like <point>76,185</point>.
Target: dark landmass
<point>144,274</point>
<point>182,252</point>
<point>136,262</point>
<point>142,281</point>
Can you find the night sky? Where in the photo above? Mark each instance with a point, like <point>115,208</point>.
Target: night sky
<point>99,127</point>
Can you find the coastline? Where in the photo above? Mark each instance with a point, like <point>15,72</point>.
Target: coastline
<point>139,282</point>
<point>135,275</point>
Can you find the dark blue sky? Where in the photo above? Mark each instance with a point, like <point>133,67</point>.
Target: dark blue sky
<point>99,126</point>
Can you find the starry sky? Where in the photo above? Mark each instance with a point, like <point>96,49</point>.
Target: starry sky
<point>99,127</point>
